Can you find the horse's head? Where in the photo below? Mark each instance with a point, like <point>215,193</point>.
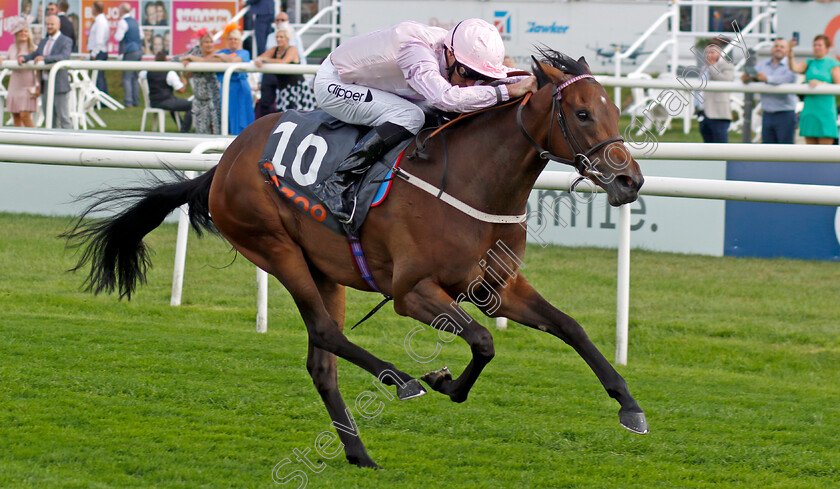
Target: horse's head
<point>587,127</point>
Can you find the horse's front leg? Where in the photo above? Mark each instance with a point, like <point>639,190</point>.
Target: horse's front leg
<point>429,303</point>
<point>322,368</point>
<point>521,303</point>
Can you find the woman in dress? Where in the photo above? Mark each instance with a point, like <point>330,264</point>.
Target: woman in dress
<point>294,92</point>
<point>818,120</point>
<point>24,90</point>
<point>241,105</point>
<point>207,106</point>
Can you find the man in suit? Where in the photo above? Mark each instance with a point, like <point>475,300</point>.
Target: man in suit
<point>263,14</point>
<point>97,42</point>
<point>131,49</point>
<point>714,110</point>
<point>66,25</point>
<point>53,48</point>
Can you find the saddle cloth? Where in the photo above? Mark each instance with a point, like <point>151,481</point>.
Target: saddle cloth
<point>306,148</point>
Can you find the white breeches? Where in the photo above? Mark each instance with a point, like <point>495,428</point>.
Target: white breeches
<point>357,104</point>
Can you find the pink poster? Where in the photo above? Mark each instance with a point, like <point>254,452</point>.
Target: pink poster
<point>190,16</point>
<point>112,13</point>
<point>8,12</point>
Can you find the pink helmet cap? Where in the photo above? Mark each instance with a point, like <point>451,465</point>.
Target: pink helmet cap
<point>476,44</point>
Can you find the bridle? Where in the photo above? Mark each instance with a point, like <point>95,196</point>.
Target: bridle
<point>581,160</point>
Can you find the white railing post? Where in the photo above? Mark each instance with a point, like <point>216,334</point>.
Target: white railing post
<point>262,301</point>
<point>184,227</point>
<point>622,316</point>
<point>181,250</point>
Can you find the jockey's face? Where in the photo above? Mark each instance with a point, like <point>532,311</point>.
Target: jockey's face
<point>457,79</point>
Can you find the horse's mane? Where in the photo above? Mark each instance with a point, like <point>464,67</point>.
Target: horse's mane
<point>560,61</point>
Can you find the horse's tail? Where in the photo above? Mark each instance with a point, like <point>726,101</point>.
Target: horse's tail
<point>114,245</point>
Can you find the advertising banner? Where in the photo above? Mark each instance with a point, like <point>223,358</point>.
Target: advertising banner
<point>657,223</point>
<point>770,230</point>
<point>164,24</point>
<point>112,13</point>
<point>192,16</point>
<point>8,11</point>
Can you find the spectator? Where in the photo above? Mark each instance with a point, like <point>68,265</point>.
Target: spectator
<point>98,42</point>
<point>282,22</point>
<point>22,97</point>
<point>52,9</point>
<point>714,110</point>
<point>241,107</point>
<point>162,17</point>
<point>262,12</point>
<point>818,120</point>
<point>778,125</point>
<point>207,106</point>
<point>131,49</point>
<point>161,86</point>
<point>151,14</point>
<point>67,26</point>
<point>55,47</point>
<point>508,61</point>
<point>293,92</point>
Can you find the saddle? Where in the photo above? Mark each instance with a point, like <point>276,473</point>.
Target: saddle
<point>304,149</point>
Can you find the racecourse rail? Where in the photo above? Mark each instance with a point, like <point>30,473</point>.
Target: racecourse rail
<point>678,84</point>
<point>188,153</point>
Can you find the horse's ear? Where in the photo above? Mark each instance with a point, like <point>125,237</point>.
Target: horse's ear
<point>539,72</point>
<point>555,75</point>
<point>582,62</point>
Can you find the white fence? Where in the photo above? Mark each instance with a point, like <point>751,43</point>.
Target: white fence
<point>227,68</point>
<point>30,146</point>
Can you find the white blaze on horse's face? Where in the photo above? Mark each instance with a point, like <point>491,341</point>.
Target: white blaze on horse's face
<point>603,100</point>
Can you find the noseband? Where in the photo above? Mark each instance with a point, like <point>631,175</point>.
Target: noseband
<point>581,159</point>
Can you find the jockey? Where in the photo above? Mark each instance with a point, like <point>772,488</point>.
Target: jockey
<point>377,79</point>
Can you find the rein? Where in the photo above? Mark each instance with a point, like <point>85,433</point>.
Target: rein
<point>581,160</point>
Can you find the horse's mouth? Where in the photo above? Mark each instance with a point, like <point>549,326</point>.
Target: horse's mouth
<point>624,189</point>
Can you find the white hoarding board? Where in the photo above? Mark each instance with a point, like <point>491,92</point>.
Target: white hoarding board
<point>593,30</point>
<point>657,223</point>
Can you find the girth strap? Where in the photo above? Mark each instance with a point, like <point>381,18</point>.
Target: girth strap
<point>454,202</point>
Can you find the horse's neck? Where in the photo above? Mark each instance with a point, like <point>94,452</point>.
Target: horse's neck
<point>494,166</point>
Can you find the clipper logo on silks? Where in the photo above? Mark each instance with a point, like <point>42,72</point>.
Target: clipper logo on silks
<point>340,92</point>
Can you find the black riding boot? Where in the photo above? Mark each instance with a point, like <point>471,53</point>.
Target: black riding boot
<point>339,190</point>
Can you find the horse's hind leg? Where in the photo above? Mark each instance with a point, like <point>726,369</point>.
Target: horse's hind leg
<point>430,304</point>
<point>521,303</point>
<point>323,369</point>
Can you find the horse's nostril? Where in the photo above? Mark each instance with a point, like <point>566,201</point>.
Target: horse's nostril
<point>629,182</point>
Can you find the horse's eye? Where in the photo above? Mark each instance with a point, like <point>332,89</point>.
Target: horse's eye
<point>583,115</point>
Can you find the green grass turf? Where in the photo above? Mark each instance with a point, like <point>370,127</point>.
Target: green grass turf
<point>735,361</point>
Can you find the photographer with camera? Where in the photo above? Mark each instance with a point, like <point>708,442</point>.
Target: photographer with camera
<point>778,124</point>
<point>714,111</point>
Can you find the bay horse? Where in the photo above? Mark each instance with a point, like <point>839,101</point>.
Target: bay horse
<point>424,253</point>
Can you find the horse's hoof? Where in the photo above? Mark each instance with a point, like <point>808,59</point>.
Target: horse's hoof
<point>364,463</point>
<point>436,378</point>
<point>634,422</point>
<point>411,389</point>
